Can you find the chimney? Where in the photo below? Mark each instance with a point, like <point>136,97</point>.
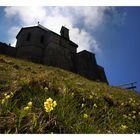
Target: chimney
<point>64,32</point>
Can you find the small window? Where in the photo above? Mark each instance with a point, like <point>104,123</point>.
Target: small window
<point>28,37</point>
<point>42,39</point>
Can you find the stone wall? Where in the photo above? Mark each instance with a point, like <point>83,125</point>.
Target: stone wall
<point>32,48</point>
<point>60,53</point>
<point>32,53</point>
<point>86,65</point>
<point>102,76</point>
<point>8,50</point>
<point>35,37</point>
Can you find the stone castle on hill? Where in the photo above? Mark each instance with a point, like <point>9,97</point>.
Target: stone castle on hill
<point>40,45</point>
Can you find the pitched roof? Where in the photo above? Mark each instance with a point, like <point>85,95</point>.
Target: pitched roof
<point>38,26</point>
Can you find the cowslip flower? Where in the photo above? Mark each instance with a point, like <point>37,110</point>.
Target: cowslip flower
<point>3,101</point>
<point>72,94</point>
<point>131,100</point>
<point>95,105</point>
<point>124,127</point>
<point>5,94</point>
<point>90,97</point>
<point>134,112</point>
<point>30,104</point>
<point>85,116</point>
<point>129,118</point>
<point>46,89</point>
<point>125,116</point>
<point>49,100</point>
<point>26,108</point>
<point>109,131</point>
<point>49,104</point>
<point>83,105</point>
<point>133,117</point>
<point>7,97</point>
<point>65,90</point>
<point>54,104</point>
<point>130,114</point>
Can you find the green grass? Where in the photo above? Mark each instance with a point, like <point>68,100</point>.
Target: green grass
<point>109,109</point>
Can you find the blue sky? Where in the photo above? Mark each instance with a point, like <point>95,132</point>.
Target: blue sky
<point>112,33</point>
<point>121,48</point>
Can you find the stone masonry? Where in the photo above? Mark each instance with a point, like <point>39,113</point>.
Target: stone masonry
<point>40,45</point>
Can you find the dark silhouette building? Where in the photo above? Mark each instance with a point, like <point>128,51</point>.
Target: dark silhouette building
<point>41,45</point>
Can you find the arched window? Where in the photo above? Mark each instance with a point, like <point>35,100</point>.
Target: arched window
<point>42,39</point>
<point>28,37</point>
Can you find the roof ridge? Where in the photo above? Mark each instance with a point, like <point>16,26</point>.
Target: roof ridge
<point>44,28</point>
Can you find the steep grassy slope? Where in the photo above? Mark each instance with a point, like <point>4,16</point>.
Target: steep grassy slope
<point>83,106</point>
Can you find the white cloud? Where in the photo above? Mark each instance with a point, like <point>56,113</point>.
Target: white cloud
<point>54,17</point>
<point>12,35</point>
<point>117,16</point>
<point>84,39</point>
<point>92,17</point>
<point>27,15</point>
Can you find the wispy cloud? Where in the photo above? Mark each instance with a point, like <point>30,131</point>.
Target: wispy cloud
<point>12,34</point>
<point>115,16</point>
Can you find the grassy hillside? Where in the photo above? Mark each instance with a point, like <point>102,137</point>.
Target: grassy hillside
<point>82,106</point>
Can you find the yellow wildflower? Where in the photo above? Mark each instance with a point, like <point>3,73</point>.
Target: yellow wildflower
<point>3,101</point>
<point>122,104</point>
<point>30,104</point>
<point>82,105</point>
<point>72,94</point>
<point>95,105</point>
<point>94,94</point>
<point>7,97</point>
<point>124,127</point>
<point>26,108</point>
<point>85,116</point>
<point>130,114</point>
<point>5,94</point>
<point>134,117</point>
<point>129,118</point>
<point>49,104</point>
<point>46,89</point>
<point>54,104</point>
<point>125,116</point>
<point>132,101</point>
<point>90,97</point>
<point>65,90</point>
<point>49,100</point>
<point>139,113</point>
<point>109,131</point>
<point>134,112</point>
